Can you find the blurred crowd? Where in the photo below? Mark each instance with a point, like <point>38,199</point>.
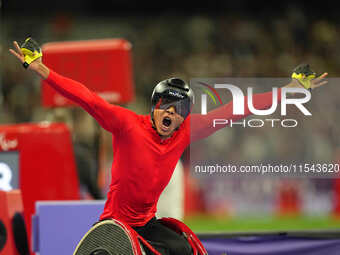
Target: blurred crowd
<point>184,46</point>
<point>189,46</point>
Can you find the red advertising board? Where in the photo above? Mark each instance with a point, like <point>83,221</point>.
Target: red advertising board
<point>10,204</point>
<point>38,159</point>
<point>104,66</point>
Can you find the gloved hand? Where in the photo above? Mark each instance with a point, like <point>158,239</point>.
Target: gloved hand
<point>303,74</point>
<point>31,51</point>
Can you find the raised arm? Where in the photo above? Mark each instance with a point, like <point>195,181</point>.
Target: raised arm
<point>203,125</point>
<point>110,117</point>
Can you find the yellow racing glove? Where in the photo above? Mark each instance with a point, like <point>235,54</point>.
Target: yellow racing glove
<point>31,51</point>
<point>303,74</point>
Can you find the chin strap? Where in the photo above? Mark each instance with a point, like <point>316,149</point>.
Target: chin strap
<point>153,120</point>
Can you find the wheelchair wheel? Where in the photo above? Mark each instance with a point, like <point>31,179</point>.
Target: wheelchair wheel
<point>105,238</point>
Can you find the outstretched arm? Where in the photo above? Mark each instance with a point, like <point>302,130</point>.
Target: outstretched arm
<point>109,116</point>
<point>203,125</point>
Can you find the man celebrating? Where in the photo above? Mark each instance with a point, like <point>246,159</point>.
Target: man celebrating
<point>147,147</point>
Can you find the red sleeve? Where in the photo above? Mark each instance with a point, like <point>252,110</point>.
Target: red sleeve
<point>110,117</point>
<point>202,125</point>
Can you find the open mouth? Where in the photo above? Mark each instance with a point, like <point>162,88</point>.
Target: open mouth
<point>167,121</point>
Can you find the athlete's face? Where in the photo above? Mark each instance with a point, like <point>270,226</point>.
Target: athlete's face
<point>166,121</point>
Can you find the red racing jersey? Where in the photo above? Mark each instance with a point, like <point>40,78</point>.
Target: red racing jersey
<point>143,163</point>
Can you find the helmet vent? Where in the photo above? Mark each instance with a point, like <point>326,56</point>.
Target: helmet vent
<point>177,83</point>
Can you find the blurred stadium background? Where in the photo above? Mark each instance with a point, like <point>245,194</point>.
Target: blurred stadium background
<point>199,39</point>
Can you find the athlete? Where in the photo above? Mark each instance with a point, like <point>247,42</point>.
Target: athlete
<point>147,147</point>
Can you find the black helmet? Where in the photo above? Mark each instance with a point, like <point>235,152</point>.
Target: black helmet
<point>173,92</point>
